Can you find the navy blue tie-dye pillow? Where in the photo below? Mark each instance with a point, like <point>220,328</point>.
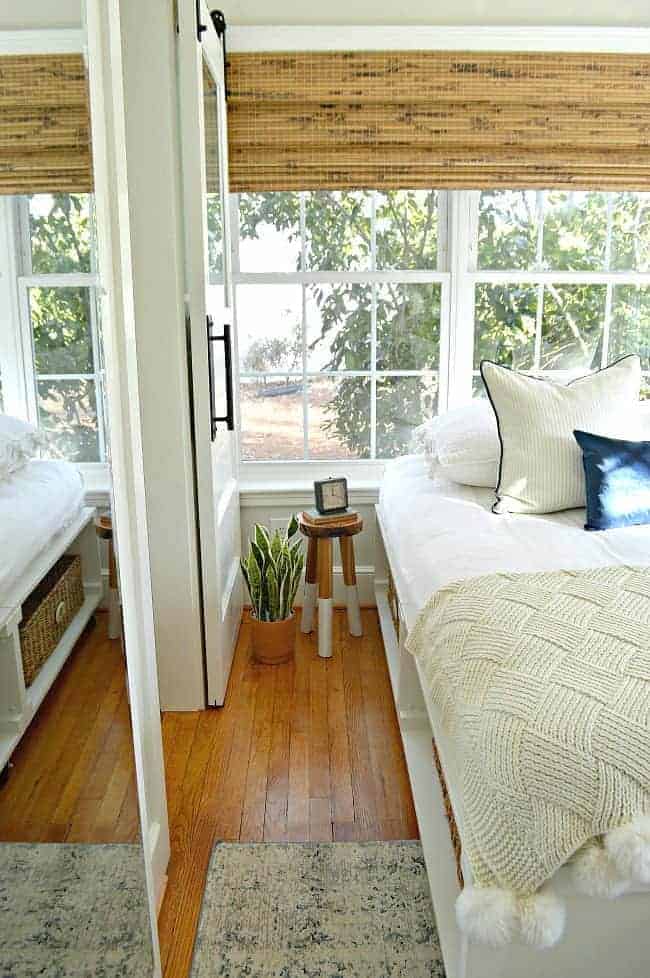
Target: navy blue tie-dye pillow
<point>617,481</point>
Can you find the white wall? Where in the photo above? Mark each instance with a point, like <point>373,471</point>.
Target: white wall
<point>40,14</point>
<point>15,14</point>
<point>497,12</point>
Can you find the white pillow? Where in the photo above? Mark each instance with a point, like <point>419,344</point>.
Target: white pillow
<point>465,445</point>
<point>19,441</point>
<point>541,463</point>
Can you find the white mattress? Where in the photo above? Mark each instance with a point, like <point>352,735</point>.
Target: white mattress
<point>36,504</point>
<point>438,532</point>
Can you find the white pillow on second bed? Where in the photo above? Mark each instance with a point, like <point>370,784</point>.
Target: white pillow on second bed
<point>463,444</point>
<point>19,442</point>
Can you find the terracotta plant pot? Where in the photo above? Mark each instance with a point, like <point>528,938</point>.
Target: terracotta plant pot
<point>274,641</point>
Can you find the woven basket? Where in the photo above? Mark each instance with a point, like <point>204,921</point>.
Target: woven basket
<point>47,612</point>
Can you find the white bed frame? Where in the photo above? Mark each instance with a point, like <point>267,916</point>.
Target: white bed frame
<point>603,938</point>
<point>19,703</point>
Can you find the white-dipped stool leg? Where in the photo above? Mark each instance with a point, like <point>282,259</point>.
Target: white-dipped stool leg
<point>324,597</point>
<point>308,607</point>
<point>351,592</point>
<point>354,610</point>
<point>325,628</point>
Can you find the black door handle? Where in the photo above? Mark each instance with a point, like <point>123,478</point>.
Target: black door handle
<point>226,339</point>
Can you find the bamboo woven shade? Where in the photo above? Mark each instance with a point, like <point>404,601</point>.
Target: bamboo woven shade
<point>44,125</point>
<point>438,119</point>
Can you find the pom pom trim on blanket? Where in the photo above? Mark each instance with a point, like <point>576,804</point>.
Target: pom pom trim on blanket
<point>496,917</point>
<point>604,868</point>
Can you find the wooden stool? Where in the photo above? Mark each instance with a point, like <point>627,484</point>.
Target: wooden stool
<point>104,530</point>
<point>318,577</point>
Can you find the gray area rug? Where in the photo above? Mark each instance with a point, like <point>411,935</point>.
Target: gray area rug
<point>318,910</point>
<point>73,911</point>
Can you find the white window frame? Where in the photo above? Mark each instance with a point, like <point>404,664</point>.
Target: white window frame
<point>542,277</point>
<point>262,470</point>
<point>458,274</point>
<point>19,378</point>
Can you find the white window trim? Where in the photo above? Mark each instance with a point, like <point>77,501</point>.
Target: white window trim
<point>16,345</point>
<point>459,275</point>
<point>364,470</point>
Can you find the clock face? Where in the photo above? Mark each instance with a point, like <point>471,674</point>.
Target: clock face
<point>333,495</point>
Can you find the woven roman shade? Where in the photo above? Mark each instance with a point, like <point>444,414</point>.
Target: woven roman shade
<point>438,119</point>
<point>44,125</point>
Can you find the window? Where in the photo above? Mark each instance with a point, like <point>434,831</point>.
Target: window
<point>361,313</point>
<point>54,365</point>
<point>562,282</point>
<point>340,306</point>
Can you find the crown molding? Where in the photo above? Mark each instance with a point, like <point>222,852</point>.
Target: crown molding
<point>616,40</point>
<point>54,41</point>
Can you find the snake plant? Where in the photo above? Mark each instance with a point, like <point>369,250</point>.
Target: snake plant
<point>272,571</point>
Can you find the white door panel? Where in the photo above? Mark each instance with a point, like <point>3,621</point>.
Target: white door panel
<point>202,110</point>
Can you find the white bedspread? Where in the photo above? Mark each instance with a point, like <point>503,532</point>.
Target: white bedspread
<point>36,503</point>
<point>439,532</point>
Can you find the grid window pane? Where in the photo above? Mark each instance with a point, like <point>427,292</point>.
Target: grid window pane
<point>630,323</point>
<point>338,326</point>
<point>61,329</point>
<point>505,320</point>
<point>408,326</point>
<point>402,404</point>
<point>339,417</point>
<point>67,412</point>
<point>572,330</point>
<point>269,232</point>
<point>631,232</point>
<point>271,419</point>
<point>407,229</point>
<point>575,231</point>
<point>338,231</point>
<point>269,319</point>
<point>60,232</point>
<point>508,228</point>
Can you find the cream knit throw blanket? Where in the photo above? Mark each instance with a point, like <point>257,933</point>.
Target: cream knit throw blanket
<point>543,683</point>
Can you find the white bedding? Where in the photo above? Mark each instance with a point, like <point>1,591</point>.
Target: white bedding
<point>439,532</point>
<point>36,503</point>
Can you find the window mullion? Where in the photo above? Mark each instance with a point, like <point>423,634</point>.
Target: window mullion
<point>463,229</point>
<point>609,293</point>
<point>373,328</point>
<point>305,382</point>
<point>11,342</point>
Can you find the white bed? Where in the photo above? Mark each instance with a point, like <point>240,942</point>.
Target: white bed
<point>432,533</point>
<point>42,516</point>
<point>442,532</point>
<point>37,503</point>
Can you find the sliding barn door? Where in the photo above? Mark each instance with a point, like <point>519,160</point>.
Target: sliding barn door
<point>212,343</point>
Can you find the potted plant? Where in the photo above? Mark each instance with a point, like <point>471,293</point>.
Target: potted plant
<point>272,572</point>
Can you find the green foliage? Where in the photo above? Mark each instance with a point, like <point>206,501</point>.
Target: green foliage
<point>338,237</point>
<point>573,238</point>
<point>272,571</point>
<point>61,235</point>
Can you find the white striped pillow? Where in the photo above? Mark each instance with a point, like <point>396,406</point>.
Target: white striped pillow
<point>541,465</point>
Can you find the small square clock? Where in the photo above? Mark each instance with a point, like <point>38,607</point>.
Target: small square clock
<point>331,496</point>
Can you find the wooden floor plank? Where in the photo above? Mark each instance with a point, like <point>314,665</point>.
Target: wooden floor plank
<point>277,787</point>
<point>307,751</point>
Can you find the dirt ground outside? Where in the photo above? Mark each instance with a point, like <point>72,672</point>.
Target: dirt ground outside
<point>272,427</point>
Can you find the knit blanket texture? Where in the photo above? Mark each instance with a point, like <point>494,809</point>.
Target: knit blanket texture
<point>543,684</point>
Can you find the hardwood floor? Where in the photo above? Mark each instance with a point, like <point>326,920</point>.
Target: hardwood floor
<point>73,774</point>
<point>308,751</point>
